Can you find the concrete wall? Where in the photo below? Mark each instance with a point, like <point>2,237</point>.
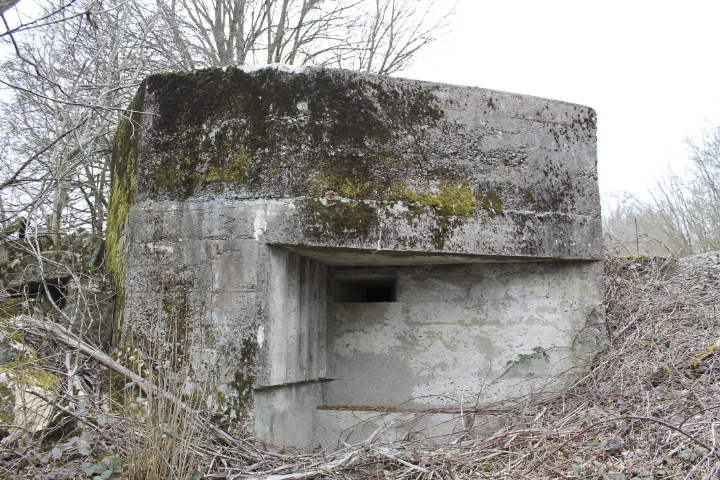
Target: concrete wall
<point>242,202</point>
<point>454,328</point>
<point>371,162</point>
<point>450,335</point>
<point>196,277</point>
<point>297,327</point>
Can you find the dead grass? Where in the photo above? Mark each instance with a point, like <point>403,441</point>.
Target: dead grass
<point>649,408</point>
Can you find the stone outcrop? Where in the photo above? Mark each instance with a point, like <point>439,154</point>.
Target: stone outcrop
<point>65,281</point>
<point>21,373</point>
<point>326,245</point>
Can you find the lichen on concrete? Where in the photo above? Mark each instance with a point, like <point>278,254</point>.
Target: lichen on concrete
<point>241,128</point>
<point>124,166</point>
<point>244,379</point>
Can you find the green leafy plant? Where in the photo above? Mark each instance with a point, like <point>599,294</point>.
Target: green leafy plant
<point>538,353</point>
<point>102,471</point>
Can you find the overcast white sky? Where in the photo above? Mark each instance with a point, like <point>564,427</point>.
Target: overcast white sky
<point>649,69</point>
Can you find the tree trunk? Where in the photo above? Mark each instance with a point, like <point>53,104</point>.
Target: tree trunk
<point>61,197</point>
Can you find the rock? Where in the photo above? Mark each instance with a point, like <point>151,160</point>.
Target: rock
<point>19,379</point>
<point>7,353</point>
<point>64,282</point>
<point>21,270</point>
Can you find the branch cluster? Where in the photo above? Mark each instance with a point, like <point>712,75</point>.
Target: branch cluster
<point>682,214</point>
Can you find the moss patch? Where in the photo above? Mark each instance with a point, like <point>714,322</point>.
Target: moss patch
<point>449,206</point>
<point>353,220</point>
<point>30,372</point>
<point>124,167</point>
<point>458,201</point>
<point>491,201</point>
<point>245,377</point>
<point>236,171</point>
<point>270,132</point>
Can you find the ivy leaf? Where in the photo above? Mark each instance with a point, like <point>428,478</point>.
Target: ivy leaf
<point>83,447</point>
<point>56,453</point>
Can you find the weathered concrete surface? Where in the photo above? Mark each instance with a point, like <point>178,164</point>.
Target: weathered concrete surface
<point>244,203</point>
<point>457,335</point>
<point>454,328</point>
<point>413,165</point>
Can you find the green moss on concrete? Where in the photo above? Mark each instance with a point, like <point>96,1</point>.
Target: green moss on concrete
<point>252,133</point>
<point>244,379</point>
<point>167,175</point>
<point>124,167</point>
<point>236,171</point>
<point>360,174</point>
<point>233,405</point>
<point>119,309</point>
<point>491,201</point>
<point>346,220</point>
<point>450,206</point>
<point>457,201</point>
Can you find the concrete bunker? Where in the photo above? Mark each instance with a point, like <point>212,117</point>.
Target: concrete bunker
<point>347,249</point>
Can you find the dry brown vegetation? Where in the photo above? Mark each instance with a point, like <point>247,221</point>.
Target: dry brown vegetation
<point>649,408</point>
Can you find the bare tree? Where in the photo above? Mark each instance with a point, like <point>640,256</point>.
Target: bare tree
<point>69,83</point>
<point>222,33</point>
<point>683,212</point>
<point>627,228</point>
<point>379,36</point>
<point>70,70</point>
<point>390,34</point>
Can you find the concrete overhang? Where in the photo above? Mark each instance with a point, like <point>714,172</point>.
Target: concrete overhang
<point>338,256</point>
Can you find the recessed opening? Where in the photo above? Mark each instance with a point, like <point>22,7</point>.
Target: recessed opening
<point>54,288</point>
<point>367,291</point>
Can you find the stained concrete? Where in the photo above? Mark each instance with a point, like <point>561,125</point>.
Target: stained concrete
<point>253,212</point>
<point>454,328</point>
